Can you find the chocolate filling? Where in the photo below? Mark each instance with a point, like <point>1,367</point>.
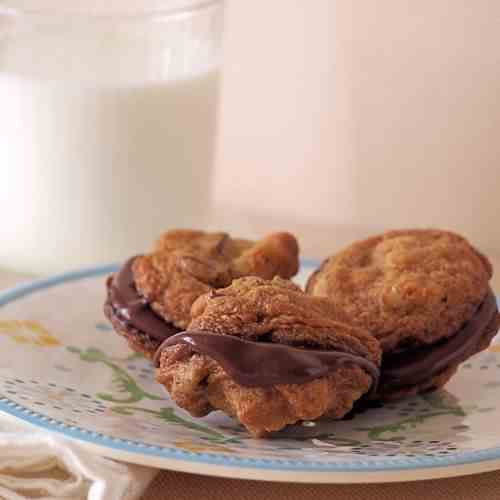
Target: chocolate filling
<point>134,310</point>
<point>417,365</point>
<point>281,364</point>
<point>263,364</point>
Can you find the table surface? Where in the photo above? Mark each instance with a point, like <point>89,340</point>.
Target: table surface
<point>179,486</point>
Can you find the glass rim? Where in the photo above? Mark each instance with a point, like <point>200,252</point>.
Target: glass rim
<point>191,7</point>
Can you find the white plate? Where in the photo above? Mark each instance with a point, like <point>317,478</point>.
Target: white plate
<point>63,369</point>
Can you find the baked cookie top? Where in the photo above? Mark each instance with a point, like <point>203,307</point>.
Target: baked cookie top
<point>407,287</point>
<point>278,311</point>
<point>185,264</point>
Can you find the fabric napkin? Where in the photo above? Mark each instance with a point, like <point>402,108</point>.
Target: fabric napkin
<point>35,464</point>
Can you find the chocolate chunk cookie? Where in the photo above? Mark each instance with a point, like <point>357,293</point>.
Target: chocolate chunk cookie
<point>424,294</point>
<point>150,297</point>
<point>269,355</point>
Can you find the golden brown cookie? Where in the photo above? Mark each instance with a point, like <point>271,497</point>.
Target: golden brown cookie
<point>186,264</point>
<point>413,290</point>
<point>150,297</point>
<point>269,355</point>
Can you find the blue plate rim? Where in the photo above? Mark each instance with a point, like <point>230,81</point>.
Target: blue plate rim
<point>374,465</point>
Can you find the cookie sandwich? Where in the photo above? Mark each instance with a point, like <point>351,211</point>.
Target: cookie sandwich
<point>424,294</point>
<point>149,299</point>
<point>269,355</point>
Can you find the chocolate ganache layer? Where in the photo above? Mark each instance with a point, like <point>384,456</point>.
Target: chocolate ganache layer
<point>132,309</point>
<point>417,365</point>
<point>263,364</point>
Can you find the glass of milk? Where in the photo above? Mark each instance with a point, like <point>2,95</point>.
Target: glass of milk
<point>107,125</point>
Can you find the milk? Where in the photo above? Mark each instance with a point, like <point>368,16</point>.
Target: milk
<point>92,169</point>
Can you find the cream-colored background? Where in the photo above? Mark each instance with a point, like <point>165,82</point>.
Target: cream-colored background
<point>344,117</point>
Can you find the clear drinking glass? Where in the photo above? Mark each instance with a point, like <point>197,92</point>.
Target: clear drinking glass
<point>107,125</point>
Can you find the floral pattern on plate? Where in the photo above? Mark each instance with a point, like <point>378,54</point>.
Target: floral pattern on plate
<point>63,368</point>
